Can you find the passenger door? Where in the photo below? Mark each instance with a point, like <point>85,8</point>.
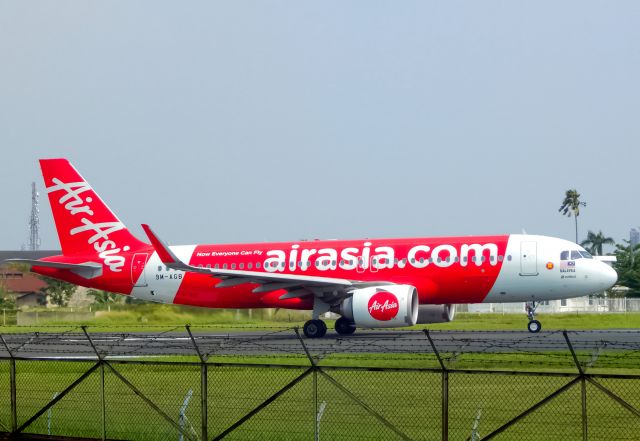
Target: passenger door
<point>528,258</point>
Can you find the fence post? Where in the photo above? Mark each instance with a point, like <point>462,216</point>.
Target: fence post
<point>314,369</point>
<point>583,387</point>
<point>103,400</point>
<point>12,380</point>
<point>445,389</point>
<point>204,388</point>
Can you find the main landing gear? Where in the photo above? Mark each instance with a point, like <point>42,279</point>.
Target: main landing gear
<point>316,328</point>
<point>534,325</point>
<point>345,327</point>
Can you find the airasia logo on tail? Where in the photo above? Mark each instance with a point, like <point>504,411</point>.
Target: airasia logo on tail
<point>75,203</point>
<point>383,306</point>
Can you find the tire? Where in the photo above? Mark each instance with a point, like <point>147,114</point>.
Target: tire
<point>345,327</point>
<point>534,326</point>
<point>314,329</point>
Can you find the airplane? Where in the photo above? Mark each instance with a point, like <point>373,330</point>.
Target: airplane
<point>371,283</point>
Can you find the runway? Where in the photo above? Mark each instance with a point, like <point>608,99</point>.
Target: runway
<point>285,342</point>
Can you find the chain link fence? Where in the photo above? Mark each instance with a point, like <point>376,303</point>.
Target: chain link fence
<point>272,384</point>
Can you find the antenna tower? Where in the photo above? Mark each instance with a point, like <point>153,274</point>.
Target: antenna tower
<point>34,221</point>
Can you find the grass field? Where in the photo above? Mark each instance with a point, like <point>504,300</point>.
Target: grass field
<point>409,400</point>
<point>157,317</point>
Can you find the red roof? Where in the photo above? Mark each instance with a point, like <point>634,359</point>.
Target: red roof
<point>18,282</point>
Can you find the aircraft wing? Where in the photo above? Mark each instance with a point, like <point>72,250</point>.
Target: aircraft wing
<point>88,270</point>
<point>296,285</point>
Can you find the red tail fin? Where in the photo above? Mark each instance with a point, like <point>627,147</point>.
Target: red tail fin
<point>85,224</point>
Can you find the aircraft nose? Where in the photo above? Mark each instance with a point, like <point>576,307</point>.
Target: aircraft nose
<point>608,276</point>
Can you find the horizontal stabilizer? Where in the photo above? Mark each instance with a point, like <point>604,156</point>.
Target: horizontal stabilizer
<point>88,270</point>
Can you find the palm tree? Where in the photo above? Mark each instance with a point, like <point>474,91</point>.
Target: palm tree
<point>594,242</point>
<point>571,205</point>
<point>627,266</point>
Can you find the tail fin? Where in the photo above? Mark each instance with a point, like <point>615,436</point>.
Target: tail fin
<point>85,224</point>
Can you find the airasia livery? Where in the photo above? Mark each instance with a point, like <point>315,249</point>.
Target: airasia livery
<point>371,283</point>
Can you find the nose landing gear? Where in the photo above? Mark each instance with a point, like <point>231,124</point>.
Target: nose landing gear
<point>533,325</point>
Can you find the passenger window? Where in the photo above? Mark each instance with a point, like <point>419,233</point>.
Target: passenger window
<point>217,266</point>
<point>249,265</point>
<point>509,257</point>
<point>500,258</point>
<point>242,266</point>
<point>224,266</point>
<point>233,266</point>
<point>159,268</point>
<point>257,265</point>
<point>575,255</point>
<point>208,265</point>
<point>564,255</point>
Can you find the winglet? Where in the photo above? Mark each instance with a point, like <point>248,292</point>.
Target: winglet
<point>164,252</point>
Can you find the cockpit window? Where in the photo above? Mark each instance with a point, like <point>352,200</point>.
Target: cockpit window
<point>574,255</point>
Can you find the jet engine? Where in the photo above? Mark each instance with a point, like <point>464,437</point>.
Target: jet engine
<point>436,313</point>
<point>384,306</point>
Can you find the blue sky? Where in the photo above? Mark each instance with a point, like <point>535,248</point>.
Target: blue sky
<point>279,120</point>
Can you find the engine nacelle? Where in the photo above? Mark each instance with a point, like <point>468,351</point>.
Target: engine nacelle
<point>384,306</point>
<point>436,313</point>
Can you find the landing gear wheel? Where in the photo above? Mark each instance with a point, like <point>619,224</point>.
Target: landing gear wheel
<point>345,327</point>
<point>534,326</point>
<point>314,329</point>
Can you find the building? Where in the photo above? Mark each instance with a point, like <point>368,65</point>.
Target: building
<point>634,237</point>
<point>24,287</point>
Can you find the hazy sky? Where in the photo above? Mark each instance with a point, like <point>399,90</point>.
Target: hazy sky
<point>280,120</point>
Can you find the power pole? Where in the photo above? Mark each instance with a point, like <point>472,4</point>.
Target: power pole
<point>34,221</point>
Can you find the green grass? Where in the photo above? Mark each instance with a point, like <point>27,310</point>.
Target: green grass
<point>409,400</point>
<point>152,317</point>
